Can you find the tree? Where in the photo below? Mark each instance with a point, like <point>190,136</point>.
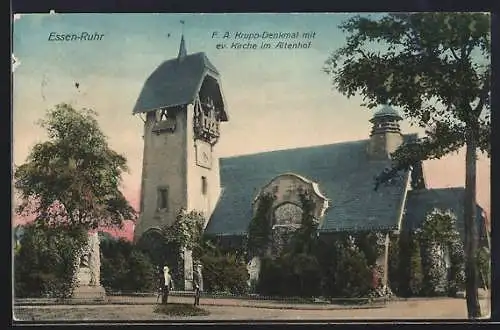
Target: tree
<point>74,177</point>
<point>45,262</point>
<point>436,67</point>
<point>352,275</point>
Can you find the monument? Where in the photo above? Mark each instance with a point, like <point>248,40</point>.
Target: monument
<point>253,269</point>
<point>88,271</point>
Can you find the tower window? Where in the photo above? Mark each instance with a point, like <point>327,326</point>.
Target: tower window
<point>204,185</point>
<point>162,201</point>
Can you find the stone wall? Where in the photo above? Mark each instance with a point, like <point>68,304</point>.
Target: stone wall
<point>164,165</point>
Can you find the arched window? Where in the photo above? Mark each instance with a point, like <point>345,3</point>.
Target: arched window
<point>288,214</point>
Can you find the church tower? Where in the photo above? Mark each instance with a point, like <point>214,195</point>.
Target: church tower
<point>182,106</point>
<point>386,135</point>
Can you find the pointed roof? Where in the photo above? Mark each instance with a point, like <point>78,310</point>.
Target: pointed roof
<point>386,112</point>
<point>177,82</point>
<point>182,49</point>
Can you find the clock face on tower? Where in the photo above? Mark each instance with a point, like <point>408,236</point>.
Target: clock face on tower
<point>203,154</point>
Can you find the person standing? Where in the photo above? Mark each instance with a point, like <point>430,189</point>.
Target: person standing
<point>167,284</point>
<point>197,279</point>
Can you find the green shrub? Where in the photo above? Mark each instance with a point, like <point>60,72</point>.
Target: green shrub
<point>45,263</point>
<point>337,269</point>
<point>416,276</point>
<point>271,275</point>
<point>396,275</point>
<point>352,275</point>
<point>124,267</point>
<point>372,244</point>
<point>305,275</point>
<point>224,273</point>
<point>456,276</point>
<point>290,276</point>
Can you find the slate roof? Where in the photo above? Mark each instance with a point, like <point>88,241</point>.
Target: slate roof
<point>343,172</point>
<point>386,111</point>
<point>421,202</point>
<point>174,82</point>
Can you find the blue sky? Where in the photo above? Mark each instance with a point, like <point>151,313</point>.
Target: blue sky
<point>279,98</point>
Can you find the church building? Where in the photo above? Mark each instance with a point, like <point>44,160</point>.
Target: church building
<point>183,107</point>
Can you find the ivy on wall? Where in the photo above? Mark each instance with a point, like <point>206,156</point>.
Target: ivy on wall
<point>430,260</point>
<point>259,229</point>
<point>440,240</point>
<point>304,239</point>
<point>185,233</point>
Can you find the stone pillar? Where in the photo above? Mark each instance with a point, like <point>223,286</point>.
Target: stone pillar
<point>188,269</point>
<point>385,278</point>
<point>89,270</point>
<point>383,262</point>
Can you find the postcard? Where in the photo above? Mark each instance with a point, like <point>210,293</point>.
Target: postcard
<point>306,166</point>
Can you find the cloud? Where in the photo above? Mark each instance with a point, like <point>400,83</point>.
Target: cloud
<point>17,17</point>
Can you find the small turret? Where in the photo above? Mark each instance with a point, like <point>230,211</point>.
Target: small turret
<point>386,135</point>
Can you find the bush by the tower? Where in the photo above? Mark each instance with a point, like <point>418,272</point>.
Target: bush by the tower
<point>124,268</point>
<point>224,272</point>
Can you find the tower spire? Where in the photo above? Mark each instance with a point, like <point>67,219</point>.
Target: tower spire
<point>182,47</point>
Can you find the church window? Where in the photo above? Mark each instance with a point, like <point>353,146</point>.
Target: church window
<point>162,202</point>
<point>204,185</point>
<point>288,214</point>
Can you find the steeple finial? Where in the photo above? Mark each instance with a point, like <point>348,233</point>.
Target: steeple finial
<point>182,47</point>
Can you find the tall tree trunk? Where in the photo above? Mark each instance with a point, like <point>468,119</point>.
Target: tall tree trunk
<point>471,230</point>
